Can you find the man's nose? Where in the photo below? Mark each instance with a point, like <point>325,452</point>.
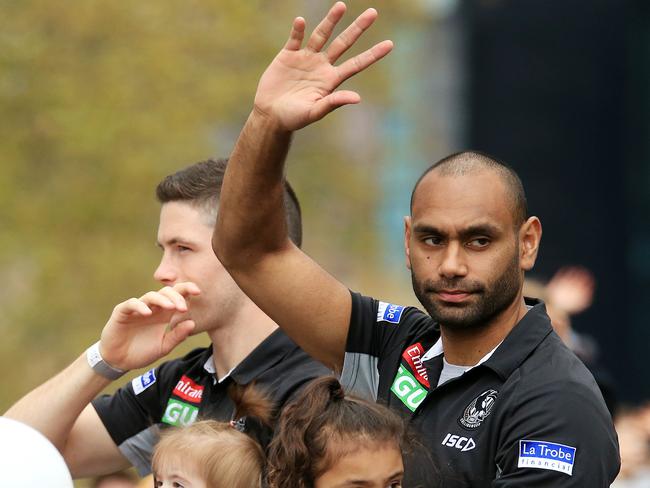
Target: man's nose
<point>453,263</point>
<point>165,272</point>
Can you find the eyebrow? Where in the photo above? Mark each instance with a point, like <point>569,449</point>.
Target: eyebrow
<point>365,483</point>
<point>473,230</point>
<point>175,240</point>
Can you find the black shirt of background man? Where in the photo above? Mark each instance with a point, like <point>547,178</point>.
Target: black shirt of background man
<point>530,416</point>
<point>184,390</point>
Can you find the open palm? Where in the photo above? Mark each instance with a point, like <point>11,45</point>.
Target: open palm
<point>298,87</point>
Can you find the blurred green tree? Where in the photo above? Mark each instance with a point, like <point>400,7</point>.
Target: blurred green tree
<point>98,101</point>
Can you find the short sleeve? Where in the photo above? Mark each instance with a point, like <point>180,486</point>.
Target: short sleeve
<point>131,415</point>
<point>373,330</point>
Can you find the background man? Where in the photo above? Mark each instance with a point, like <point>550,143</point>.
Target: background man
<point>198,296</point>
<point>497,397</point>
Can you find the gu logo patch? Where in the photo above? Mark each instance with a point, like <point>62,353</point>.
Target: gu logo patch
<point>144,381</point>
<point>407,389</point>
<point>387,312</point>
<point>179,413</point>
<point>188,390</point>
<point>546,455</point>
<point>478,409</point>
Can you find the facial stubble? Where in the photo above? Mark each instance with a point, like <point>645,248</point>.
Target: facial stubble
<point>491,298</point>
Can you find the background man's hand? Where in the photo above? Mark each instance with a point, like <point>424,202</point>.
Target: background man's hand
<point>142,330</point>
<point>298,86</point>
<point>571,289</point>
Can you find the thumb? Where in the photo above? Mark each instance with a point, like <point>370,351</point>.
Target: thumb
<point>176,335</point>
<point>333,101</point>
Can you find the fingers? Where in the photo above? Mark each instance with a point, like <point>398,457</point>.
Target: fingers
<point>131,306</point>
<point>156,299</point>
<point>176,335</point>
<point>167,298</point>
<point>360,62</point>
<point>349,36</point>
<point>297,34</point>
<point>187,289</point>
<point>177,294</point>
<point>324,30</point>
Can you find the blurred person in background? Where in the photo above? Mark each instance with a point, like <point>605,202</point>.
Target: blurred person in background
<point>199,296</point>
<point>120,479</point>
<point>499,399</point>
<point>570,292</point>
<point>633,428</point>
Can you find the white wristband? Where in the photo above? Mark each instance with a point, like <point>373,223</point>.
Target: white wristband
<point>101,367</point>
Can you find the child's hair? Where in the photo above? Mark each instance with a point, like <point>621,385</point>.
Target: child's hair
<point>322,425</point>
<point>218,452</point>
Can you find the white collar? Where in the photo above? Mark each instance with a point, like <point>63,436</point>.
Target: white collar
<point>437,350</point>
<point>209,367</point>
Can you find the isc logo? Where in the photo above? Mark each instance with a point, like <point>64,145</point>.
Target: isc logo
<point>179,413</point>
<point>459,442</point>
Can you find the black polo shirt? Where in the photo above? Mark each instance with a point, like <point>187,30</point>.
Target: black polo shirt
<point>183,390</point>
<point>529,416</point>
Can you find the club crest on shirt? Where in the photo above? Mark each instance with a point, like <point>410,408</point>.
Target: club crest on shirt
<point>478,409</point>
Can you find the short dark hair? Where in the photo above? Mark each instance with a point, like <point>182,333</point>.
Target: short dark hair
<point>200,184</point>
<point>465,162</point>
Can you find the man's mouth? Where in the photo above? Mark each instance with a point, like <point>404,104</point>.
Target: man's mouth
<point>453,296</point>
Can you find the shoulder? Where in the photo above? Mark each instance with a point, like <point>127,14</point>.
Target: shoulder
<point>168,372</point>
<point>553,392</point>
<point>388,315</point>
<point>553,368</point>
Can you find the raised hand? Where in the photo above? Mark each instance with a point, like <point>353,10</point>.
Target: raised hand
<point>142,330</point>
<point>298,87</point>
<point>571,289</point>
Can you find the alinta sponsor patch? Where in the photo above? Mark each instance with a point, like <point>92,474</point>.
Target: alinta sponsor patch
<point>188,390</point>
<point>413,357</point>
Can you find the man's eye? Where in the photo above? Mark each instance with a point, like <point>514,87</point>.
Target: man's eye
<point>182,248</point>
<point>395,484</point>
<point>176,484</point>
<point>433,241</point>
<point>479,242</point>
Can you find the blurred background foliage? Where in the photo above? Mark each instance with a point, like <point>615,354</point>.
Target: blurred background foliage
<point>99,101</point>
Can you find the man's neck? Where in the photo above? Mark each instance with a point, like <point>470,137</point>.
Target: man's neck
<point>234,342</point>
<point>468,347</point>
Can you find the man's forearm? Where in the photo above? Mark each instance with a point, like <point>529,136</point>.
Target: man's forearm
<point>253,193</point>
<point>53,407</point>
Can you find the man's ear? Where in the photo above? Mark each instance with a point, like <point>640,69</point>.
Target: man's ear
<point>407,238</point>
<point>530,236</point>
